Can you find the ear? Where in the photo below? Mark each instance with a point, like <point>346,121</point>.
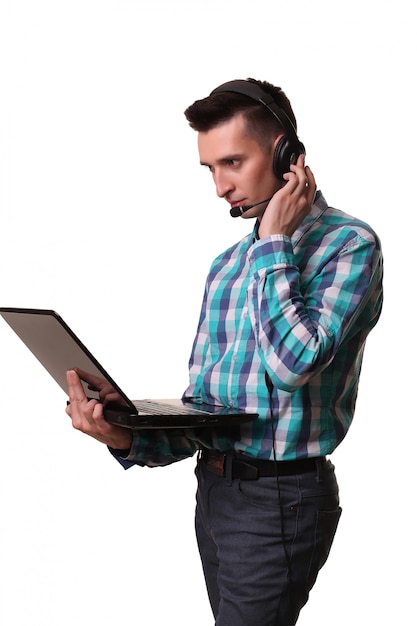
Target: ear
<point>277,140</point>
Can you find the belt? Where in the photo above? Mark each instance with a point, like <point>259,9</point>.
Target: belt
<point>247,468</point>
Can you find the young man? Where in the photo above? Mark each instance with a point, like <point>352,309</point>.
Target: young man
<point>282,330</point>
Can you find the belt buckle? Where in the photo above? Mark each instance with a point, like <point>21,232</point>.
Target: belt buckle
<point>215,463</point>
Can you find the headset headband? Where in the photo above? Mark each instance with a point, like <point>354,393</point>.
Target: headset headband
<point>254,91</point>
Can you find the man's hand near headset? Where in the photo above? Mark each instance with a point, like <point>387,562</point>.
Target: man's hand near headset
<point>291,203</point>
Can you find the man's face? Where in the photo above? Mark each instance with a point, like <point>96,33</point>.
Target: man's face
<point>241,168</point>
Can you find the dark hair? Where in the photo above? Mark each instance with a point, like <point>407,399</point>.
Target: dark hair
<point>220,107</point>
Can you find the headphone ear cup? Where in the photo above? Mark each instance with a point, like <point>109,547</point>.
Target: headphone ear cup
<point>283,157</point>
<point>285,154</point>
<point>277,163</point>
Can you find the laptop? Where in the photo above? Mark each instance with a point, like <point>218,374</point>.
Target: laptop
<point>58,349</point>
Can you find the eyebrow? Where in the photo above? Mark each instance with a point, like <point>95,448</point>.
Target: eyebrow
<point>225,159</point>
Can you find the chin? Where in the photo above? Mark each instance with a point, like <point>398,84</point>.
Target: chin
<point>252,214</point>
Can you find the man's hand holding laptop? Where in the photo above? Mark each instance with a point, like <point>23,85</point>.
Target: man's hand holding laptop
<point>87,415</point>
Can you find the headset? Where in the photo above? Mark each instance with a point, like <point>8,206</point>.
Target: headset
<point>289,147</point>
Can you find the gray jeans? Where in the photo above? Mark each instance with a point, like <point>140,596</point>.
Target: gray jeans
<point>262,542</point>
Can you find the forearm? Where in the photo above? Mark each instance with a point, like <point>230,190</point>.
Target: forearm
<point>300,320</point>
<point>156,448</point>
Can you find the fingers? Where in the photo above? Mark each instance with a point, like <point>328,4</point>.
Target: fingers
<point>95,381</point>
<point>83,412</point>
<point>299,169</point>
<point>301,180</point>
<point>87,417</point>
<point>291,203</point>
<point>311,185</point>
<point>75,388</point>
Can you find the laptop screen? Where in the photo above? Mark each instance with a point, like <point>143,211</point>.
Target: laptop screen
<point>58,349</point>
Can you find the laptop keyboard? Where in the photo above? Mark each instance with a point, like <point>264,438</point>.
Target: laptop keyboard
<point>159,408</point>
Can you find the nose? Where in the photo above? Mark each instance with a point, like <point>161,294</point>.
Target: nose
<point>222,182</point>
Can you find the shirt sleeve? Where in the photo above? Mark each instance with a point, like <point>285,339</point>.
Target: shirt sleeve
<point>300,324</point>
<point>155,448</point>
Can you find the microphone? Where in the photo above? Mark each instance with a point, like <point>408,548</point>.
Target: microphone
<point>237,211</point>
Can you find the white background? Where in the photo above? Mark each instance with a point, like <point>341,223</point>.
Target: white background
<point>107,217</point>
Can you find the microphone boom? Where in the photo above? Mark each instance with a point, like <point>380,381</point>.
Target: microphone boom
<point>237,211</point>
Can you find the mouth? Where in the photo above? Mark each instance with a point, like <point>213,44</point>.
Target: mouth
<point>237,203</point>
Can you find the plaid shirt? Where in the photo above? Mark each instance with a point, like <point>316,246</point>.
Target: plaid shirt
<point>298,310</point>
